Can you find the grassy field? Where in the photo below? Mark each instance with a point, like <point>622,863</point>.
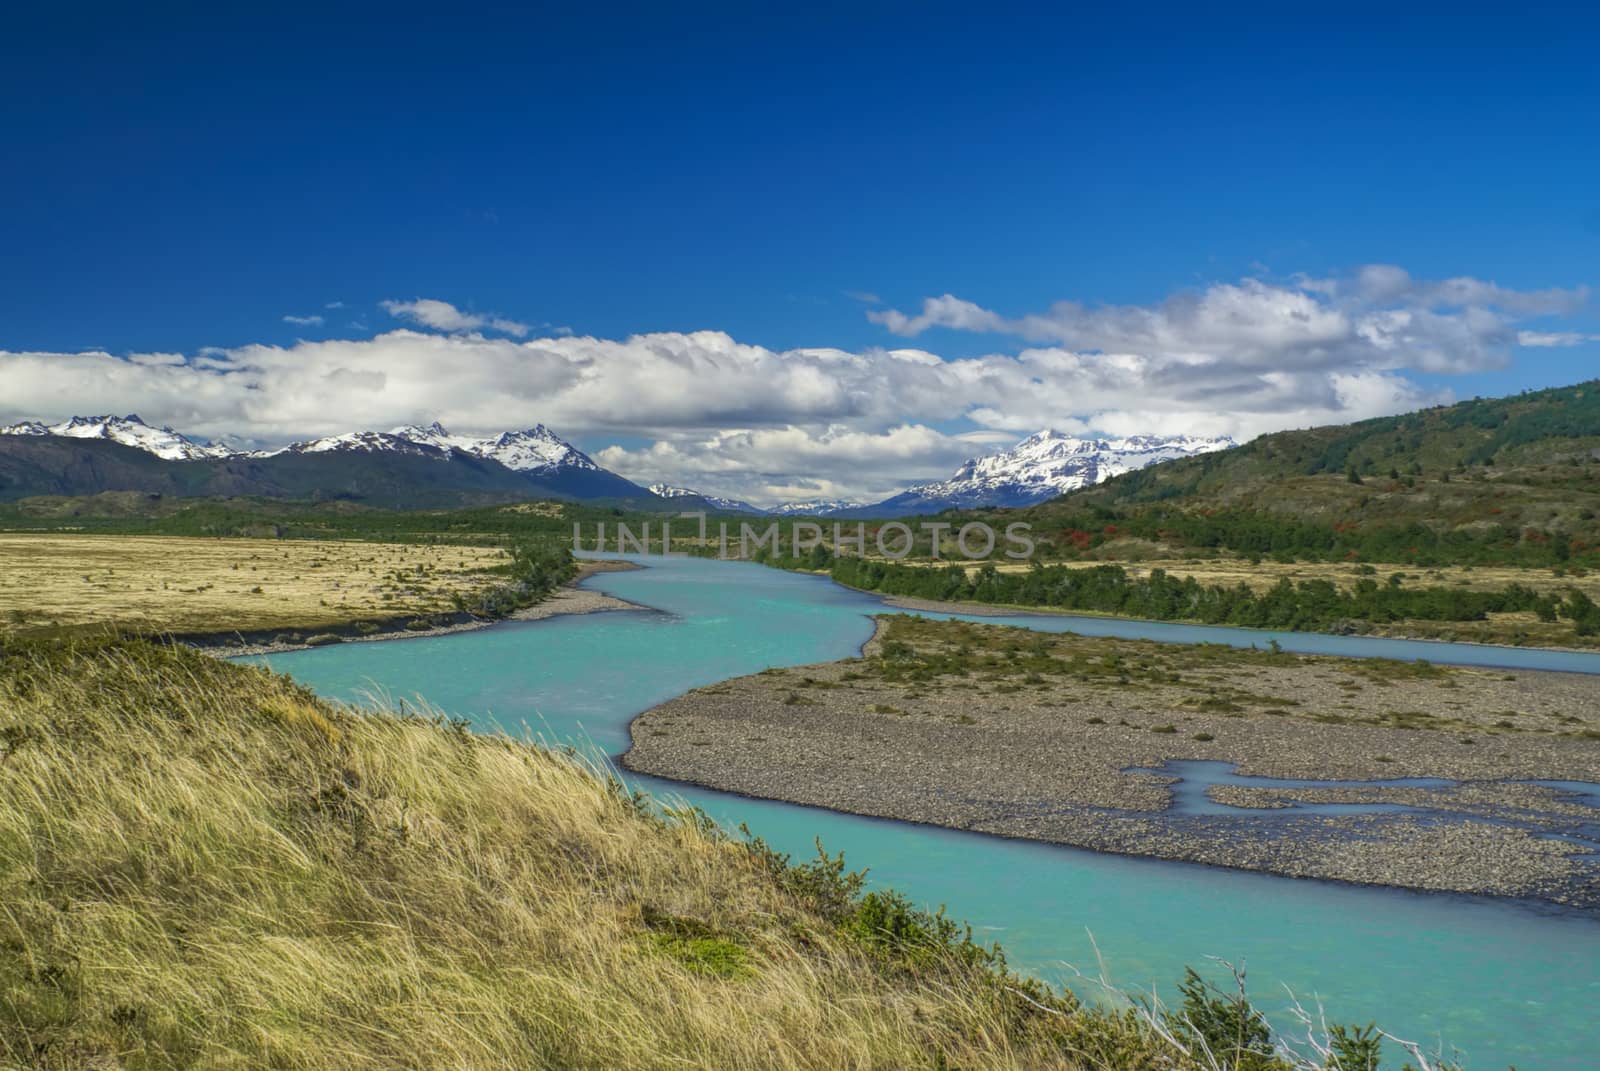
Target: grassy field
<point>204,865</point>
<point>1517,628</point>
<point>1260,576</point>
<point>195,585</point>
<point>1144,676</point>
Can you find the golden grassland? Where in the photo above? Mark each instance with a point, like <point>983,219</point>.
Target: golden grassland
<point>183,584</point>
<point>202,864</point>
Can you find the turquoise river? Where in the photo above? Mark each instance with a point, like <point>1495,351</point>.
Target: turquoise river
<point>1498,982</point>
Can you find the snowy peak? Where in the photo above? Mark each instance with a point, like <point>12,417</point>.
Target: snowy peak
<point>535,449</point>
<point>366,442</point>
<point>129,431</point>
<point>27,427</point>
<point>821,507</point>
<point>418,462</point>
<point>730,505</point>
<point>1046,464</point>
<point>434,433</point>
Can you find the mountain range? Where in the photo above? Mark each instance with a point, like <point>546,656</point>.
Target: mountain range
<point>129,431</point>
<point>700,498</point>
<point>409,466</point>
<point>427,465</point>
<point>1037,469</point>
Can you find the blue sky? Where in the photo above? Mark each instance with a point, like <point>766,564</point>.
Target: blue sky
<point>181,178</point>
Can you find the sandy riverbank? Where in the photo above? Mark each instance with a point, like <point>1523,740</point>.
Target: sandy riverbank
<point>1022,734</point>
<point>567,599</point>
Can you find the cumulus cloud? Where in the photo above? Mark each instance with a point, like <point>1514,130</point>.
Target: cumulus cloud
<point>443,316</point>
<point>303,321</point>
<point>770,465</point>
<point>1546,339</point>
<point>1380,317</point>
<point>709,411</point>
<point>1388,284</point>
<point>750,419</point>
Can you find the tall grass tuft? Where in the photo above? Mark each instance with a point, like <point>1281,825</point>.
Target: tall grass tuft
<point>205,865</point>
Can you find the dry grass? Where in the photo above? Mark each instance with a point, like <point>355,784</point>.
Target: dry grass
<point>189,585</point>
<point>203,865</point>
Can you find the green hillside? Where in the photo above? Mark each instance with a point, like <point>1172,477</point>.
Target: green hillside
<point>1512,481</point>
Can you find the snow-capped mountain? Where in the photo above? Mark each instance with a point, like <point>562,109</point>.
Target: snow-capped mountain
<point>537,455</point>
<point>129,431</point>
<point>667,490</point>
<point>717,502</point>
<point>26,427</point>
<point>366,442</point>
<point>821,507</point>
<point>1041,467</point>
<point>535,449</point>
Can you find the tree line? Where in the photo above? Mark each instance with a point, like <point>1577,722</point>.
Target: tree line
<point>1309,605</point>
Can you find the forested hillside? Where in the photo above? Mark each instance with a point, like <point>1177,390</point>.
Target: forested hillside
<point>1511,481</point>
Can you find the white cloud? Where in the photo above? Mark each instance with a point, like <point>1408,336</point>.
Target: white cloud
<point>1388,284</point>
<point>851,424</point>
<point>1545,339</point>
<point>303,321</point>
<point>770,465</point>
<point>740,419</point>
<point>1380,318</point>
<point>443,316</point>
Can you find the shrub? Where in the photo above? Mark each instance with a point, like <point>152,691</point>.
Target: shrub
<point>1231,1029</point>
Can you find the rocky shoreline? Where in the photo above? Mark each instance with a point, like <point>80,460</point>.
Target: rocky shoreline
<point>567,599</point>
<point>1011,743</point>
